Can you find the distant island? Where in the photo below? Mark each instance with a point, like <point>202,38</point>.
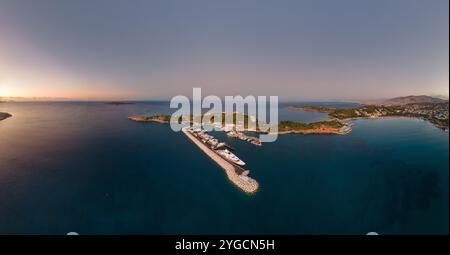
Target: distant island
<point>118,103</point>
<point>434,110</point>
<point>4,115</point>
<point>33,99</point>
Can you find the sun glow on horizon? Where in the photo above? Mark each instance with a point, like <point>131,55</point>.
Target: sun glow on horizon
<point>8,91</point>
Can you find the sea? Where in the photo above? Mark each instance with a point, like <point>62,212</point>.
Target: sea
<point>84,167</point>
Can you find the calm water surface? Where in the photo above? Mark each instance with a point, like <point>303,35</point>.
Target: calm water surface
<point>84,167</point>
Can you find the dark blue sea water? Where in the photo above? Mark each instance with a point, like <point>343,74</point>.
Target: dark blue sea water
<point>84,167</point>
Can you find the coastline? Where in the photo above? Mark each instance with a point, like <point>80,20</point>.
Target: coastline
<point>320,128</point>
<point>317,131</point>
<point>426,112</point>
<point>158,119</point>
<point>4,115</point>
<point>445,129</point>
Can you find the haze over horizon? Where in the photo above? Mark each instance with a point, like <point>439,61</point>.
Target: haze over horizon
<point>154,50</point>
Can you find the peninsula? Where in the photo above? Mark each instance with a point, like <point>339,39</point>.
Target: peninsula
<point>155,118</point>
<point>320,127</point>
<point>4,115</point>
<point>333,126</point>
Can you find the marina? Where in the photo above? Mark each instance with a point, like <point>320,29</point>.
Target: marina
<point>231,130</point>
<point>230,163</point>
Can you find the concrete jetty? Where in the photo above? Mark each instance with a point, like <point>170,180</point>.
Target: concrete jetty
<point>235,174</point>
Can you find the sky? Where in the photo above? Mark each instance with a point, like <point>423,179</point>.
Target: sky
<point>154,50</point>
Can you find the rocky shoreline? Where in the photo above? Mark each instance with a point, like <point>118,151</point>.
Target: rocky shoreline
<point>316,131</point>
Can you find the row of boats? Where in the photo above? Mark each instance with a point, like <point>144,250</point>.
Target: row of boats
<point>231,131</point>
<point>215,145</point>
<point>244,137</point>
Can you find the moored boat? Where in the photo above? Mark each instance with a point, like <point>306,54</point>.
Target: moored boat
<point>230,156</point>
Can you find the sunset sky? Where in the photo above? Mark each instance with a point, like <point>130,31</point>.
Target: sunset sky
<point>306,50</point>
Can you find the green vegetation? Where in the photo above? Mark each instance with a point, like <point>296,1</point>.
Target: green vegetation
<point>293,125</point>
<point>155,118</point>
<point>164,118</point>
<point>284,126</point>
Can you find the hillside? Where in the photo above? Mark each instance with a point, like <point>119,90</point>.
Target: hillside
<point>407,100</point>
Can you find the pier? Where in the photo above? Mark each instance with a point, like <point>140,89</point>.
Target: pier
<point>236,174</point>
<point>244,137</point>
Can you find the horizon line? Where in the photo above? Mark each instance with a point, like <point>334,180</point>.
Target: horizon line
<point>66,99</point>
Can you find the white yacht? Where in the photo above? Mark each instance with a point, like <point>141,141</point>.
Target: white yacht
<point>213,142</point>
<point>230,156</point>
<point>220,145</point>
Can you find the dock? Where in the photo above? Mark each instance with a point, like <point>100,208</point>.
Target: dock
<point>236,174</point>
<point>244,137</point>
